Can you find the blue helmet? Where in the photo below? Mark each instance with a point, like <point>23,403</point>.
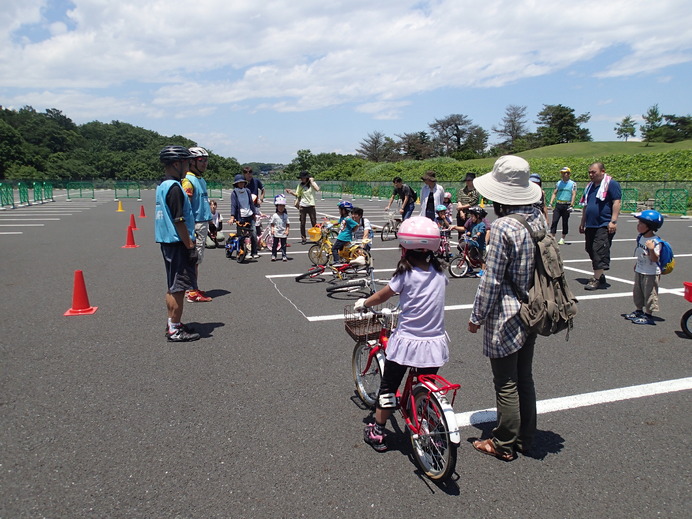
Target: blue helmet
<point>440,207</point>
<point>345,205</point>
<point>652,218</point>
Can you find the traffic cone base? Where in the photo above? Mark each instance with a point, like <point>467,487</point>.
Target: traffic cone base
<point>120,207</point>
<point>141,212</point>
<point>130,244</point>
<point>133,223</point>
<point>80,299</point>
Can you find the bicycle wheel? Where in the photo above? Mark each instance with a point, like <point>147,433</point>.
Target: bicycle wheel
<point>435,454</point>
<point>386,234</point>
<point>458,267</point>
<point>347,285</point>
<point>686,323</point>
<point>360,251</point>
<point>312,273</point>
<point>242,252</point>
<point>367,382</point>
<point>318,255</point>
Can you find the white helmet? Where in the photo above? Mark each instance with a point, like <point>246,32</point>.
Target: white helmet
<point>279,200</point>
<point>198,152</point>
<point>419,232</point>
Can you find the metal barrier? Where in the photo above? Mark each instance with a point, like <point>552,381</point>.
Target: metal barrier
<point>630,199</point>
<point>48,192</point>
<point>271,189</point>
<point>23,190</point>
<point>215,187</point>
<point>331,190</point>
<point>80,190</point>
<point>38,192</point>
<point>6,196</point>
<point>127,189</point>
<point>671,201</point>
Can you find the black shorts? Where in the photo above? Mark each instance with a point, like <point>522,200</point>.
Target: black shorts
<point>180,272</point>
<point>598,241</point>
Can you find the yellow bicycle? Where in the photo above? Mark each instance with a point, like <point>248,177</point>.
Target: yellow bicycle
<point>320,253</point>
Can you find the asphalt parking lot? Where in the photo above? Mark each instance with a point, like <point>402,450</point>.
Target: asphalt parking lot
<point>104,418</point>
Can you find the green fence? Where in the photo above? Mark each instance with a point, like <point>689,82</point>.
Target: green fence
<point>38,192</point>
<point>23,189</point>
<point>271,189</point>
<point>630,199</point>
<point>671,201</point>
<point>48,192</point>
<point>6,196</point>
<point>215,190</point>
<point>331,190</point>
<point>80,190</point>
<point>127,189</point>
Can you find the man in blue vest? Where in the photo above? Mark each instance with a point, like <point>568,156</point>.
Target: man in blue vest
<point>174,228</point>
<point>195,187</point>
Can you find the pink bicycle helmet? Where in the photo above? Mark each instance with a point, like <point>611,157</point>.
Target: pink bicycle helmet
<point>419,232</point>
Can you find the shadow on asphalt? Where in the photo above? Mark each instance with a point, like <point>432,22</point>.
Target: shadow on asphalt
<point>544,443</point>
<point>206,330</point>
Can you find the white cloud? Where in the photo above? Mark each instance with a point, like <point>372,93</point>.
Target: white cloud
<point>308,54</point>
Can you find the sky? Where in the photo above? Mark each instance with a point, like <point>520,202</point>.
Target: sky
<point>260,80</point>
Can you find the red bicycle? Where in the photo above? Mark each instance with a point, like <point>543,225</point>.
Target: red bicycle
<point>423,404</point>
<point>467,258</point>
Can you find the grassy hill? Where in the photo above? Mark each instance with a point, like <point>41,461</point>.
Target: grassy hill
<point>600,149</point>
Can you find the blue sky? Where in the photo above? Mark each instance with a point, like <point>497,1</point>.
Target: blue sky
<point>260,80</point>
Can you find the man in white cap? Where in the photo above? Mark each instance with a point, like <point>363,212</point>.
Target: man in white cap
<point>510,264</point>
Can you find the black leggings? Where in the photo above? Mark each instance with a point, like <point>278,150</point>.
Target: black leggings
<point>393,375</point>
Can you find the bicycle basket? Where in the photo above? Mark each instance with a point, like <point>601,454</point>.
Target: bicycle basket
<point>364,326</point>
<point>314,233</point>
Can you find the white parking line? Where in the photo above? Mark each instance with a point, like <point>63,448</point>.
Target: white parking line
<point>584,400</point>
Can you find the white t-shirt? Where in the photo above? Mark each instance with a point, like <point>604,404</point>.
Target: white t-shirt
<point>279,222</point>
<point>644,264</point>
<point>365,225</point>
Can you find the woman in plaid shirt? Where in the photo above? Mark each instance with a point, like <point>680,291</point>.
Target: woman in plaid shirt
<point>510,255</point>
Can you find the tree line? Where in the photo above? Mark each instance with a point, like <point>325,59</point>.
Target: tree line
<point>456,135</point>
<point>50,146</point>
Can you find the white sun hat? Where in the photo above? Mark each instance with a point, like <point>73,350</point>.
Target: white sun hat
<point>508,183</point>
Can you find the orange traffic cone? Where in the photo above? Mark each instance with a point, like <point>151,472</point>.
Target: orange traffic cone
<point>80,299</point>
<point>130,240</point>
<point>133,224</point>
<point>141,212</point>
<point>120,207</point>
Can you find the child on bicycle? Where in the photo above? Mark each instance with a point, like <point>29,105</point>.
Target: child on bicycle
<point>447,201</point>
<point>419,341</point>
<point>477,235</point>
<point>347,226</point>
<point>443,220</point>
<point>364,230</point>
<point>280,227</point>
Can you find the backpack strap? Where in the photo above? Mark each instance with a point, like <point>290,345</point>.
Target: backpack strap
<point>524,298</point>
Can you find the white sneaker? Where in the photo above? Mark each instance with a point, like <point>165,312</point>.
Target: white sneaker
<point>255,256</point>
<point>561,242</point>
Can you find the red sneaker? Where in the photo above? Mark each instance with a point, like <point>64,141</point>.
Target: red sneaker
<point>195,296</point>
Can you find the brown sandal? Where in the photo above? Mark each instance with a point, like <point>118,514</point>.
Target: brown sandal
<point>488,447</point>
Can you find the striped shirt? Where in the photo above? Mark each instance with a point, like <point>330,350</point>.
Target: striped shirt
<point>510,254</point>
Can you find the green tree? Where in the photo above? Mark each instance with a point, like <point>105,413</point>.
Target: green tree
<point>416,146</point>
<point>626,128</point>
<point>449,133</point>
<point>653,121</point>
<point>11,150</point>
<point>377,147</point>
<point>557,124</point>
<point>513,127</point>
